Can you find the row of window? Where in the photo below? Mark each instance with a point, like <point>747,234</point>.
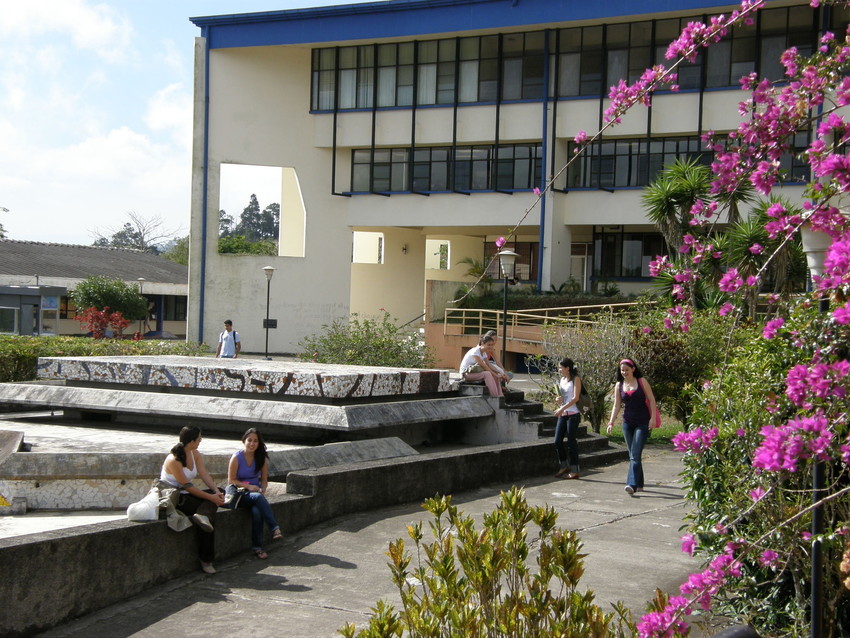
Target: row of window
<point>619,163</point>
<point>584,61</point>
<point>174,308</point>
<point>441,168</point>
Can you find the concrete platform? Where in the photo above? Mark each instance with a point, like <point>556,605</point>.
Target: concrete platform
<point>275,378</point>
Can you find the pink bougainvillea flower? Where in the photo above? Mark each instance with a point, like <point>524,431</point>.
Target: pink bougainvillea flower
<point>769,558</point>
<point>537,191</point>
<point>501,242</point>
<point>688,544</point>
<point>757,494</point>
<point>756,249</point>
<point>772,327</point>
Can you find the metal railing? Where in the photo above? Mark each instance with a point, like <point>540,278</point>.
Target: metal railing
<point>522,323</point>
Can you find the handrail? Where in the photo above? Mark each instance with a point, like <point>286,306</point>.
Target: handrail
<point>479,320</point>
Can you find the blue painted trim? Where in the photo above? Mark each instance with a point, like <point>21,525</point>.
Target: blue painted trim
<point>204,198</point>
<point>407,18</point>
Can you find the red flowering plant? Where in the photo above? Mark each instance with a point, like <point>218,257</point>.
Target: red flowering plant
<point>99,322</point>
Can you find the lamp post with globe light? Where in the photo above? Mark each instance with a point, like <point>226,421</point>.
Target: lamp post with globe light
<point>507,259</point>
<point>269,270</point>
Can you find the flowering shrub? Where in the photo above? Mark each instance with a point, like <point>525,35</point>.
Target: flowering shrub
<point>98,322</point>
<point>750,480</point>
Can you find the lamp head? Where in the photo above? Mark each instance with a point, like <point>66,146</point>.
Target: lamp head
<point>507,259</point>
<point>269,270</point>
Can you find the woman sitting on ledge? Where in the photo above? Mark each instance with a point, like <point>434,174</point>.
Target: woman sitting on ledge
<point>180,467</point>
<point>475,366</point>
<point>248,471</point>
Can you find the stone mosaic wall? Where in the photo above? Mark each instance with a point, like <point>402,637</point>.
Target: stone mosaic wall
<point>278,378</point>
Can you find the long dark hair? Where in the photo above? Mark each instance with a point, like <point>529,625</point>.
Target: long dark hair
<point>637,373</point>
<point>570,365</point>
<point>187,435</point>
<point>261,454</point>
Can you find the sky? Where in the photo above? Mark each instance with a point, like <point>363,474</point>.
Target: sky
<point>96,113</point>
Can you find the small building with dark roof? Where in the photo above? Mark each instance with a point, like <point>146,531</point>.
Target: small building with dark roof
<point>35,279</point>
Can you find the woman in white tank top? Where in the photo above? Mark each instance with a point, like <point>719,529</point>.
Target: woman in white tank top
<point>179,469</point>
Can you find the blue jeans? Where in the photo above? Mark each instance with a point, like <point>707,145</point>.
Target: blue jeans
<point>261,512</point>
<point>636,437</point>
<point>567,424</point>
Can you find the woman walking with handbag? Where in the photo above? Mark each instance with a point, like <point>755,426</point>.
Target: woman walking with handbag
<point>634,394</point>
<point>248,470</point>
<point>569,418</point>
<point>180,467</point>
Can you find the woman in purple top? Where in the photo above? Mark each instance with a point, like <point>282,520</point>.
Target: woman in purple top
<point>249,470</point>
<point>634,395</point>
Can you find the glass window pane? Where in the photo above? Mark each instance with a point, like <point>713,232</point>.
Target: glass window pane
<point>618,66</point>
<point>347,87</point>
<point>468,84</point>
<point>447,50</point>
<point>512,80</point>
<point>386,86</point>
<point>360,177</point>
<point>719,63</point>
<point>386,55</point>
<point>469,48</point>
<point>347,57</point>
<point>427,89</point>
<point>568,74</point>
<point>428,51</point>
<point>618,36</point>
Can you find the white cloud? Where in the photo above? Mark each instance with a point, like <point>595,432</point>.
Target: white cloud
<point>94,27</point>
<point>170,111</point>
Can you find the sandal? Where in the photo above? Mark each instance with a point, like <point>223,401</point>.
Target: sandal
<point>572,475</point>
<point>277,534</point>
<point>261,554</point>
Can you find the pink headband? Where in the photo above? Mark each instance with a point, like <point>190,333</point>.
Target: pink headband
<point>628,361</point>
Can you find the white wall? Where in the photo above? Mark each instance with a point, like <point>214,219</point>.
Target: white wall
<point>258,114</point>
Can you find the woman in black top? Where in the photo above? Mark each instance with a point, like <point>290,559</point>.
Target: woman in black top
<point>635,396</point>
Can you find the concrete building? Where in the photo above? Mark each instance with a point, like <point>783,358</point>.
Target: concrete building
<point>35,279</point>
<point>410,135</point>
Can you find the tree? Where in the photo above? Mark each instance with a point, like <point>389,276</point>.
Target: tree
<point>238,244</point>
<point>3,230</point>
<point>105,292</point>
<point>140,233</point>
<point>257,225</point>
<point>595,348</point>
<point>178,251</point>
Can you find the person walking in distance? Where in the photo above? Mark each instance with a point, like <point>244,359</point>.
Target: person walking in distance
<point>229,343</point>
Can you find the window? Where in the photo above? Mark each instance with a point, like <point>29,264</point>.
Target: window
<point>174,308</point>
<point>518,167</point>
<point>437,254</point>
<point>49,319</point>
<point>367,248</point>
<point>631,162</point>
<point>624,254</point>
<point>67,309</point>
<point>585,61</point>
<point>525,267</point>
<point>8,320</point>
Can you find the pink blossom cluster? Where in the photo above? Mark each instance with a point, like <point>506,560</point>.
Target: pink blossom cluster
<point>819,381</point>
<point>772,327</point>
<point>695,441</point>
<point>624,96</point>
<point>836,264</point>
<point>702,212</point>
<point>786,446</point>
<point>698,34</point>
<point>680,317</point>
<point>731,282</point>
<point>660,264</point>
<point>704,585</point>
<point>666,623</point>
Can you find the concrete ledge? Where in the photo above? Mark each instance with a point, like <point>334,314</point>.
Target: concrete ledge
<point>57,576</point>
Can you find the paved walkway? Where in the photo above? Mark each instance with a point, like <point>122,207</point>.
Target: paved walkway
<point>320,578</point>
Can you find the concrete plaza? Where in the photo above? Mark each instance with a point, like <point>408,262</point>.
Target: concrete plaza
<point>320,578</point>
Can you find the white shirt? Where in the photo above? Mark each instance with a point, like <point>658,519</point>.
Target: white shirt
<point>228,340</point>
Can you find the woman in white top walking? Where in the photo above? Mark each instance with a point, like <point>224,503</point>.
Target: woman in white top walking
<point>180,467</point>
<point>569,418</point>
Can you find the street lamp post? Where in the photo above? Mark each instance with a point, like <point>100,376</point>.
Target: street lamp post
<point>814,245</point>
<point>269,270</point>
<point>141,281</point>
<point>507,258</point>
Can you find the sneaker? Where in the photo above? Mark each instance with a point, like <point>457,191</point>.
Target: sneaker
<point>629,490</point>
<point>204,523</point>
<point>207,568</point>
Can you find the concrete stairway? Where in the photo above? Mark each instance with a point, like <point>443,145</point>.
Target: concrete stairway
<point>594,449</point>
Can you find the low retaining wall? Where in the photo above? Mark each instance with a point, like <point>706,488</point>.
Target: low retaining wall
<point>53,577</point>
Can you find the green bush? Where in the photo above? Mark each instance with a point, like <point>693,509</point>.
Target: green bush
<point>370,341</point>
<point>479,584</point>
<point>102,292</point>
<point>19,355</point>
